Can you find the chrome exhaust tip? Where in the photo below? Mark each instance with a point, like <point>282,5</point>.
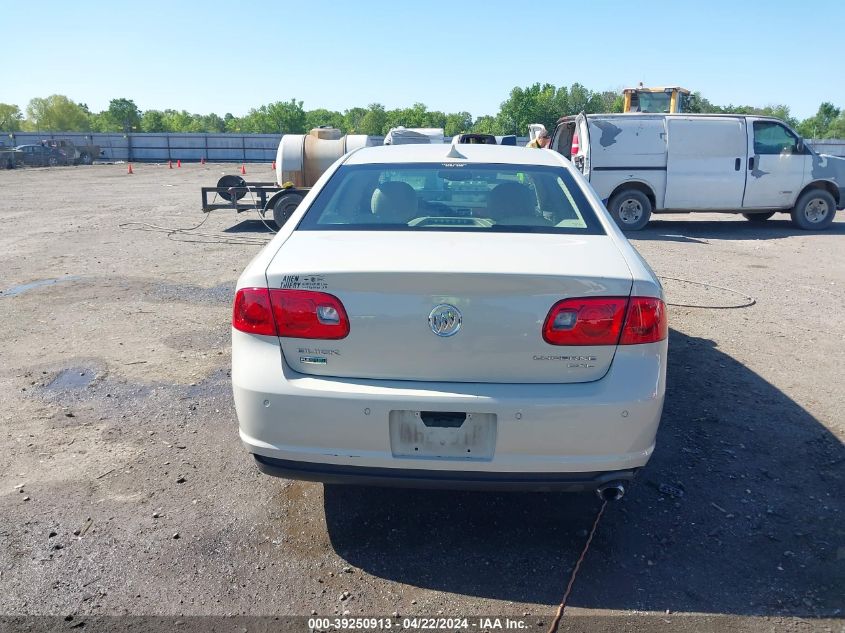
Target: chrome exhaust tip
<point>613,491</point>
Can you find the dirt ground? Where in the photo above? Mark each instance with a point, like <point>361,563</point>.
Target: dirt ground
<point>124,488</point>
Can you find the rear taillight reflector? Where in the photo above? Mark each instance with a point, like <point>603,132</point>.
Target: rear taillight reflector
<point>646,321</point>
<point>585,321</point>
<point>606,321</point>
<point>290,313</point>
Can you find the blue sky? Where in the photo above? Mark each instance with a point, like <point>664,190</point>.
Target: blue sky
<point>231,56</point>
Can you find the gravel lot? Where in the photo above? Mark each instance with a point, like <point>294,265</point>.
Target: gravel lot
<point>125,489</point>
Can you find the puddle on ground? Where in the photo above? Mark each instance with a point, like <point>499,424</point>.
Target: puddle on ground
<point>22,288</point>
<point>74,378</point>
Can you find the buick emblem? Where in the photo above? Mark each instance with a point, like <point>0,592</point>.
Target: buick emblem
<point>445,320</point>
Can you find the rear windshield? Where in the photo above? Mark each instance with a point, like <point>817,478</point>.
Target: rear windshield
<point>452,197</point>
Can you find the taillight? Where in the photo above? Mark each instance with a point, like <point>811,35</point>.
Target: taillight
<point>646,321</point>
<point>606,321</point>
<point>576,144</point>
<point>290,313</point>
<point>252,312</point>
<point>585,321</point>
<point>309,314</point>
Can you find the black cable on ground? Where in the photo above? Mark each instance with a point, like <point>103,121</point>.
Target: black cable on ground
<point>749,301</point>
<point>556,621</point>
<point>181,234</point>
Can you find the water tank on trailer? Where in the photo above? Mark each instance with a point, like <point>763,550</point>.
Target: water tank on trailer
<point>302,158</point>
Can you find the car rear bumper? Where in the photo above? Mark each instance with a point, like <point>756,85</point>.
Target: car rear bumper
<point>448,479</point>
<point>562,436</point>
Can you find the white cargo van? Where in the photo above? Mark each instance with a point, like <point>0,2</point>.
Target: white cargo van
<point>757,166</point>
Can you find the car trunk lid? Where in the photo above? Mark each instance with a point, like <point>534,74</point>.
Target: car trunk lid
<point>502,284</point>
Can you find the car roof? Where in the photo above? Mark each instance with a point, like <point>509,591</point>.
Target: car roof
<point>446,153</point>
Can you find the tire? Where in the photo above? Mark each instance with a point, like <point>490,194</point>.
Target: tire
<point>758,218</point>
<point>52,161</point>
<point>814,210</point>
<point>85,159</point>
<point>283,206</point>
<point>630,209</point>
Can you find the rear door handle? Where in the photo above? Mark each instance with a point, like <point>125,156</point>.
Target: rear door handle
<point>737,164</point>
<point>751,163</point>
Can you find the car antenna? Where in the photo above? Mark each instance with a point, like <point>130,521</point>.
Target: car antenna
<point>454,153</point>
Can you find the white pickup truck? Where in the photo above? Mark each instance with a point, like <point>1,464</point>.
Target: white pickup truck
<point>644,163</point>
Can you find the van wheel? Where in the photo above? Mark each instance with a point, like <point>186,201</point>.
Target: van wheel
<point>814,210</point>
<point>758,217</point>
<point>630,209</point>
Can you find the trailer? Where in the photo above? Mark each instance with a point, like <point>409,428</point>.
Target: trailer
<point>300,160</point>
<point>265,197</point>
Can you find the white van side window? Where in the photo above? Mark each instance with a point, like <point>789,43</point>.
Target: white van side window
<point>773,138</point>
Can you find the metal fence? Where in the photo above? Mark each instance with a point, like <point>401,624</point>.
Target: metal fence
<point>832,146</point>
<point>235,148</point>
<point>249,148</point>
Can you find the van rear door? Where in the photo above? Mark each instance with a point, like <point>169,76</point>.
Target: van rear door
<point>705,163</point>
<point>581,155</point>
<point>562,137</point>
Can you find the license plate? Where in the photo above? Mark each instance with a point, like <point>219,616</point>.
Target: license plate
<point>436,435</point>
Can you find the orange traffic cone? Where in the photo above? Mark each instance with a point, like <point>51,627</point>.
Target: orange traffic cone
<point>273,166</point>
<point>170,164</point>
<point>243,169</point>
<point>129,171</point>
<point>179,163</point>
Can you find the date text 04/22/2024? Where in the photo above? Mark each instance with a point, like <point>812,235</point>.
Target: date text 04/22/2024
<point>416,623</point>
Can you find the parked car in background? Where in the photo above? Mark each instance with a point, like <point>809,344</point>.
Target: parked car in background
<point>465,316</point>
<point>754,165</point>
<point>78,154</point>
<point>41,156</point>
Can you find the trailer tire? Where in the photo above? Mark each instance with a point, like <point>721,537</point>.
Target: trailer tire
<point>283,204</point>
<point>630,209</point>
<point>86,159</point>
<point>758,218</point>
<point>814,210</point>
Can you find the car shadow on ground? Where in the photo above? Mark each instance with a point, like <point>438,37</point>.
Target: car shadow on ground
<point>251,226</point>
<point>756,526</point>
<point>672,228</point>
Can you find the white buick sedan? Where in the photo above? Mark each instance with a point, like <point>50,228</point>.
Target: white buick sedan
<point>450,316</point>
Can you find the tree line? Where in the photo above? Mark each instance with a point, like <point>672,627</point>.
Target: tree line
<point>538,103</point>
